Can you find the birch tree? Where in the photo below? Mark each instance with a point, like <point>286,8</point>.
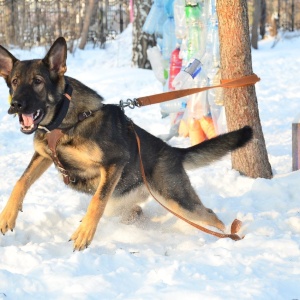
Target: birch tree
<point>141,41</point>
<point>86,24</point>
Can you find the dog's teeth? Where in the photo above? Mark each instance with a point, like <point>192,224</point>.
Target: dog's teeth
<point>36,115</point>
<point>26,127</point>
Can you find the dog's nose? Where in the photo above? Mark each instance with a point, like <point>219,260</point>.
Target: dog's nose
<point>16,106</point>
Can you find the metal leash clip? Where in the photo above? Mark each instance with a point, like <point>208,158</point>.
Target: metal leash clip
<point>131,103</point>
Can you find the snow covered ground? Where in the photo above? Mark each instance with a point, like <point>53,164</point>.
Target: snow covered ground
<point>160,257</point>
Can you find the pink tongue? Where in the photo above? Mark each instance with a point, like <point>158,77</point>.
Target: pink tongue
<point>27,119</point>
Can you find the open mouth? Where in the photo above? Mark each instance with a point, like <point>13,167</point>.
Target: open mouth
<point>29,122</point>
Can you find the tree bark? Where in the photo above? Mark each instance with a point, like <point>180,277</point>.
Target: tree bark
<point>38,23</point>
<point>9,23</point>
<point>241,103</point>
<point>59,18</point>
<point>141,41</point>
<point>86,24</point>
<point>263,18</point>
<point>22,23</point>
<point>293,16</point>
<point>255,23</point>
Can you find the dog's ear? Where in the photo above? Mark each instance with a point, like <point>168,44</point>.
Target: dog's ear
<point>56,57</point>
<point>7,61</point>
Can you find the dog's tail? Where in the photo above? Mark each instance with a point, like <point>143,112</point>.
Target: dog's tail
<point>211,150</point>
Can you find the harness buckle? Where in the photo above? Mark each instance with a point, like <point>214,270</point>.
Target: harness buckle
<point>63,171</point>
<point>87,114</point>
<point>66,176</point>
<point>84,115</point>
<point>44,128</point>
<point>72,179</point>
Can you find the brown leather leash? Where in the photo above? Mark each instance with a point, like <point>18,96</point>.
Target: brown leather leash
<point>158,98</point>
<point>235,226</point>
<point>55,135</point>
<point>226,83</point>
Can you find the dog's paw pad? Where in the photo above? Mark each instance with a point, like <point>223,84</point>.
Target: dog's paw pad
<point>82,237</point>
<point>7,222</point>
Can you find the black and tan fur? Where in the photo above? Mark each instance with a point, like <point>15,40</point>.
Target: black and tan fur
<point>101,152</point>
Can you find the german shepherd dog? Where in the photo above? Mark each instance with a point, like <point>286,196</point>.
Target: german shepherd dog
<point>97,151</point>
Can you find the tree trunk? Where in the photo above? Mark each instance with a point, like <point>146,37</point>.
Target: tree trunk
<point>22,23</point>
<point>104,24</point>
<point>86,24</point>
<point>38,24</point>
<point>141,41</point>
<point>293,16</point>
<point>279,14</point>
<point>255,23</point>
<point>9,23</point>
<point>263,18</point>
<point>59,18</point>
<point>240,103</point>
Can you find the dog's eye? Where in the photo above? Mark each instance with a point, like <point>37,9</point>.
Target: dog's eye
<point>14,82</point>
<point>37,81</point>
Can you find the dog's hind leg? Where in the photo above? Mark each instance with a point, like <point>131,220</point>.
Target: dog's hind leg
<point>35,169</point>
<point>109,177</point>
<point>175,191</point>
<point>132,215</point>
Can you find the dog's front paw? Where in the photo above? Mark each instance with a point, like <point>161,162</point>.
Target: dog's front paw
<point>8,219</point>
<point>83,236</point>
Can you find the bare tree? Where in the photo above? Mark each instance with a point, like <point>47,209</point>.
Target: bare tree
<point>241,103</point>
<point>9,22</point>
<point>38,22</point>
<point>59,18</point>
<point>255,23</point>
<point>22,23</point>
<point>86,24</point>
<point>263,18</point>
<point>141,41</point>
<point>293,16</point>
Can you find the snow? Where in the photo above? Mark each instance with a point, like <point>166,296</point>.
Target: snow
<point>159,257</point>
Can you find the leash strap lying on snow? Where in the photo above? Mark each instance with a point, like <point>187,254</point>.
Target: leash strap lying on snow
<point>227,83</point>
<point>235,226</point>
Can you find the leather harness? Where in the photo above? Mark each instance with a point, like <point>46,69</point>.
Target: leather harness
<point>54,134</point>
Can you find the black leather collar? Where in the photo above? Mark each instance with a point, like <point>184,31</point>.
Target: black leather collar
<point>62,109</point>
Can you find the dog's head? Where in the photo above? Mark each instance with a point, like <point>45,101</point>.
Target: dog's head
<point>36,86</point>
